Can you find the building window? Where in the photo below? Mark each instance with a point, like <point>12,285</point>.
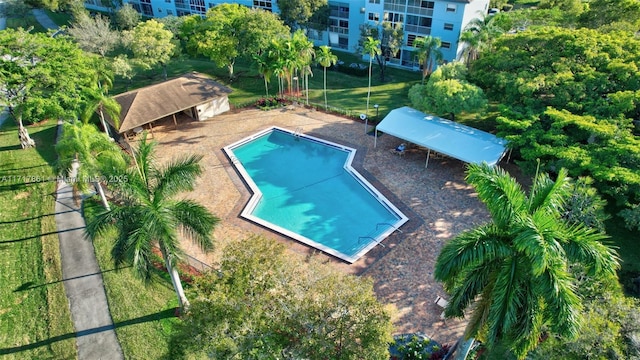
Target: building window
<point>340,10</point>
<point>210,5</point>
<point>147,10</point>
<point>411,38</point>
<point>451,7</point>
<point>343,42</point>
<point>169,12</point>
<point>393,18</point>
<point>374,16</point>
<point>448,26</point>
<point>267,5</point>
<point>374,1</point>
<point>445,45</point>
<point>421,4</point>
<point>197,6</point>
<point>167,1</point>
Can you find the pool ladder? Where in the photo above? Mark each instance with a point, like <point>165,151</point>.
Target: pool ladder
<point>360,238</point>
<point>297,133</point>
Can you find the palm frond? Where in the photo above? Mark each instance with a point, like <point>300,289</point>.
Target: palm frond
<point>539,240</point>
<point>177,176</point>
<point>468,249</point>
<point>144,160</point>
<point>196,222</point>
<point>584,245</point>
<point>499,191</point>
<point>549,195</point>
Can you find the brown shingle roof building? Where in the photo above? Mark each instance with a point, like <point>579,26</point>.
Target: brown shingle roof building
<point>195,93</point>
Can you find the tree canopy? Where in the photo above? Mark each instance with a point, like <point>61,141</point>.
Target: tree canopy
<point>571,104</point>
<point>230,31</point>
<point>262,303</point>
<point>151,44</point>
<point>389,38</point>
<point>299,13</point>
<point>42,77</point>
<point>448,92</point>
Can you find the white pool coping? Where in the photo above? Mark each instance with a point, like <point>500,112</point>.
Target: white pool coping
<point>247,212</point>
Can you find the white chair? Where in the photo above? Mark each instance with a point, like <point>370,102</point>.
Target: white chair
<point>442,303</point>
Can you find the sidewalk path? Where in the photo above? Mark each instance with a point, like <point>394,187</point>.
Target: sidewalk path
<point>95,334</point>
<point>44,19</point>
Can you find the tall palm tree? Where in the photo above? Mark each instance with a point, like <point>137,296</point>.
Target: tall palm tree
<point>515,269</point>
<point>478,35</point>
<point>148,214</point>
<point>325,58</point>
<point>305,54</point>
<point>265,68</point>
<point>86,154</point>
<point>429,54</point>
<point>370,47</point>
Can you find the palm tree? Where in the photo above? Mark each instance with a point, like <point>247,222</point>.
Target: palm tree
<point>305,54</point>
<point>515,269</point>
<point>370,47</point>
<point>265,68</point>
<point>429,54</point>
<point>325,58</point>
<point>478,35</point>
<point>86,154</point>
<point>148,215</point>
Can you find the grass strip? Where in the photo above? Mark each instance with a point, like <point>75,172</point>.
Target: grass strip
<point>35,322</point>
<point>143,313</point>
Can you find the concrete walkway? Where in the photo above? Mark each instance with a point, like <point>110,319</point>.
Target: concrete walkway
<point>95,334</point>
<point>44,19</point>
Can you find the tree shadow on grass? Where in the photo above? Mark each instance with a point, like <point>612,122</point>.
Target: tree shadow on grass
<point>164,314</point>
<point>30,285</point>
<point>39,235</point>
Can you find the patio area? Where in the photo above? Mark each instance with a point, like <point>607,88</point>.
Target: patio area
<point>437,200</point>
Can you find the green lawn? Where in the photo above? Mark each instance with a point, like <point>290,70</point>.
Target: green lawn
<point>61,18</point>
<point>143,314</point>
<point>35,322</point>
<point>344,91</point>
<point>25,23</point>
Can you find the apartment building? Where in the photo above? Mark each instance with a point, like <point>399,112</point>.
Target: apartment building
<point>445,19</point>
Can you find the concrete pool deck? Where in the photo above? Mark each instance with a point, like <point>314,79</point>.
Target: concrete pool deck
<point>437,201</point>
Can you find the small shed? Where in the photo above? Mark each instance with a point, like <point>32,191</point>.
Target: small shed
<point>193,94</point>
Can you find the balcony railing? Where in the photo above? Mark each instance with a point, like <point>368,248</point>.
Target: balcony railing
<point>395,8</point>
<point>423,30</point>
<point>340,14</point>
<point>339,30</point>
<point>419,11</point>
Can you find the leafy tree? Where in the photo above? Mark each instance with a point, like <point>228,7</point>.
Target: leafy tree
<point>515,269</point>
<point>96,98</point>
<point>54,5</point>
<point>610,324</point>
<point>326,59</point>
<point>29,90</point>
<point>94,34</point>
<point>602,13</point>
<point>230,31</point>
<point>370,47</point>
<point>147,214</point>
<point>569,7</point>
<point>389,37</point>
<point>297,13</point>
<point>447,91</point>
<point>263,303</point>
<point>15,9</point>
<point>122,67</point>
<point>86,155</point>
<point>585,206</point>
<point>127,17</point>
<point>568,106</point>
<point>151,44</point>
<point>429,54</point>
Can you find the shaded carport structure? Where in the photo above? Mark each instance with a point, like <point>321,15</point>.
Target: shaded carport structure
<point>443,136</point>
<point>193,94</point>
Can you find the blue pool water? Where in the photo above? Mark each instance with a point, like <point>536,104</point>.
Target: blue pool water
<point>307,193</point>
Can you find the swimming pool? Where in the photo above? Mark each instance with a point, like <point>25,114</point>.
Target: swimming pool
<point>306,189</point>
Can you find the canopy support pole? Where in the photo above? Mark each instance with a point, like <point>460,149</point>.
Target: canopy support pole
<point>428,154</point>
<point>375,137</point>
